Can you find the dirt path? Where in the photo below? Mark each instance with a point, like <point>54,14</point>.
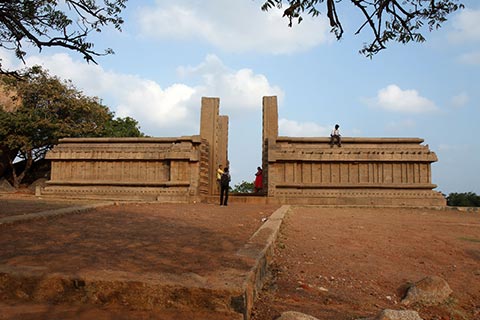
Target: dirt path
<point>137,238</point>
<point>22,206</point>
<point>350,263</point>
<point>342,263</point>
<point>150,242</point>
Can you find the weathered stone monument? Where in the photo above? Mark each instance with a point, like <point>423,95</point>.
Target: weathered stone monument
<point>364,171</point>
<point>177,169</point>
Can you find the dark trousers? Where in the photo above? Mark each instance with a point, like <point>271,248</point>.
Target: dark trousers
<point>334,139</point>
<point>223,195</point>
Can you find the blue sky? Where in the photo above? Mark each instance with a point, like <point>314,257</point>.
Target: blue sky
<point>171,53</point>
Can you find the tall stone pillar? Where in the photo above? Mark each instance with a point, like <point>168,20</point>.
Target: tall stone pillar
<point>269,134</point>
<point>209,127</point>
<point>214,129</point>
<point>222,154</point>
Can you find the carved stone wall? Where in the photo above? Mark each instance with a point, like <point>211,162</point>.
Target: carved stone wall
<point>165,169</point>
<point>364,171</point>
<point>178,169</point>
<point>214,131</point>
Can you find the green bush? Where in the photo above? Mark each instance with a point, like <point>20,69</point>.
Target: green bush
<point>465,199</point>
<point>243,187</point>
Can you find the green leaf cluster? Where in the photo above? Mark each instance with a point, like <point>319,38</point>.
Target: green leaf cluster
<point>46,110</point>
<point>465,199</point>
<point>243,187</point>
<point>122,127</point>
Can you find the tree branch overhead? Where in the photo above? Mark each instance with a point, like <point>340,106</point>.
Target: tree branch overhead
<point>388,20</point>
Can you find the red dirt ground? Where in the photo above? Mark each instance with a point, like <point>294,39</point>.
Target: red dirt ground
<point>332,263</point>
<point>20,205</point>
<point>137,238</point>
<point>196,239</point>
<point>349,263</point>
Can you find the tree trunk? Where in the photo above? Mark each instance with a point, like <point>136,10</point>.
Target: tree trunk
<point>17,179</point>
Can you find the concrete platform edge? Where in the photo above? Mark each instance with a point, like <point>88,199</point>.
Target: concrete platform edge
<point>51,213</point>
<point>259,250</point>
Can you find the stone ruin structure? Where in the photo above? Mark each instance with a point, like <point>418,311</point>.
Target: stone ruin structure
<point>177,169</point>
<point>364,171</point>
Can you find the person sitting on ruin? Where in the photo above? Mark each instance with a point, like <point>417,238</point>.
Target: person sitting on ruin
<point>335,137</point>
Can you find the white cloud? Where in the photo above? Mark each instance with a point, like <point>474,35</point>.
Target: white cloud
<point>239,90</point>
<point>393,98</point>
<point>460,100</point>
<point>301,129</point>
<point>472,58</point>
<point>235,25</point>
<point>7,60</point>
<point>466,26</point>
<point>155,108</point>
<point>171,110</point>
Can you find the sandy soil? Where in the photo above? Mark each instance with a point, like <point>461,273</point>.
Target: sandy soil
<point>138,239</point>
<point>348,263</point>
<point>332,263</point>
<point>20,205</point>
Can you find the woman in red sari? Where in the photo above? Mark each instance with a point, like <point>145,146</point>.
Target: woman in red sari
<point>258,184</point>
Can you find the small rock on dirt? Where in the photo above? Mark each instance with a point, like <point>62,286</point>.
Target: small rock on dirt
<point>293,315</point>
<point>389,314</point>
<point>429,291</point>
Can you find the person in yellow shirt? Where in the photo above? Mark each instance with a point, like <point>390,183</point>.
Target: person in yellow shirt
<point>219,175</point>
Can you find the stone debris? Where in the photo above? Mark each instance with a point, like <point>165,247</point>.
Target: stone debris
<point>293,315</point>
<point>389,314</point>
<point>431,290</point>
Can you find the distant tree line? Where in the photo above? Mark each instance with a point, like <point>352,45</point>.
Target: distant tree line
<point>36,110</point>
<point>465,199</point>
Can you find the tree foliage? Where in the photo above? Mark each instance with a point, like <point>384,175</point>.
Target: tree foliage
<point>389,20</point>
<point>466,199</point>
<point>122,127</point>
<point>243,187</point>
<point>47,110</point>
<point>53,23</point>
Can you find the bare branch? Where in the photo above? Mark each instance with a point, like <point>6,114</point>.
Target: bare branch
<point>44,24</point>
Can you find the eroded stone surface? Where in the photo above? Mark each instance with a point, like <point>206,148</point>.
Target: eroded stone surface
<point>389,314</point>
<point>431,290</point>
<point>364,171</point>
<point>293,315</point>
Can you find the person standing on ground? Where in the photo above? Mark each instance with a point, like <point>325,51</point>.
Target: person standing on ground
<point>224,186</point>
<point>219,176</point>
<point>258,184</point>
<point>335,137</point>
